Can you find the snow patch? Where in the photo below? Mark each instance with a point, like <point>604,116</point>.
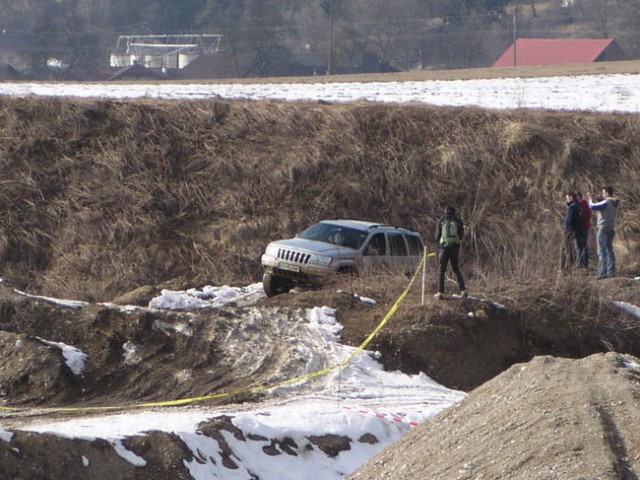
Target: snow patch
<point>599,93</point>
<point>628,307</point>
<point>75,359</point>
<point>130,354</point>
<point>208,297</point>
<point>128,455</point>
<point>631,364</point>
<point>64,303</point>
<point>6,436</point>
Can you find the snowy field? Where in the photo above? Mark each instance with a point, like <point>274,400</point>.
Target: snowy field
<point>598,93</point>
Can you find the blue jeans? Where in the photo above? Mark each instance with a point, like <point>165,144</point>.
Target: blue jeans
<point>582,251</point>
<point>606,256</point>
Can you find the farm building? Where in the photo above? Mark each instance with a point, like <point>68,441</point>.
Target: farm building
<point>558,51</point>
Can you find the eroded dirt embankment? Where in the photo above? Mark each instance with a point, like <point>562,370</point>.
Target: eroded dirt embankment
<point>139,355</point>
<point>136,355</point>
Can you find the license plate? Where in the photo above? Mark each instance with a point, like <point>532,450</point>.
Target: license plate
<point>289,267</point>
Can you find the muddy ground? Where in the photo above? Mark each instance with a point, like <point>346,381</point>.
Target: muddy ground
<point>460,343</point>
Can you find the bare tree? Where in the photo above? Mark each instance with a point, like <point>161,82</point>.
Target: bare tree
<point>256,32</point>
<point>598,17</point>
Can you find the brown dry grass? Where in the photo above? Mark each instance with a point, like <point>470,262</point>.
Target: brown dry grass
<point>100,197</point>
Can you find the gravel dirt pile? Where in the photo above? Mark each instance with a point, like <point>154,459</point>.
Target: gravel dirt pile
<point>548,418</point>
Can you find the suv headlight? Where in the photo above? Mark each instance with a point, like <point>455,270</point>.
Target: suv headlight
<point>272,250</point>
<point>320,260</point>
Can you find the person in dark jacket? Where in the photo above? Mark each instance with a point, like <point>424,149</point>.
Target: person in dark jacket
<point>449,235</point>
<point>572,226</point>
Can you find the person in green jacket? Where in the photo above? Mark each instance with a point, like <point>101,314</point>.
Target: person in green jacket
<point>449,235</point>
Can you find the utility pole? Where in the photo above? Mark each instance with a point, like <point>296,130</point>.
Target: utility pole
<point>330,69</point>
<point>515,35</point>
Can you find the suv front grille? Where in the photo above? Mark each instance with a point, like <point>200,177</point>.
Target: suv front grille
<point>293,256</point>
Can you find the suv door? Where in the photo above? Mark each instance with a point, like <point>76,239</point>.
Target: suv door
<point>415,245</point>
<point>398,252</point>
<point>416,250</point>
<point>374,253</point>
<point>405,250</point>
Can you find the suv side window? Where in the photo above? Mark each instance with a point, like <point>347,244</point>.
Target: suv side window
<point>415,245</point>
<point>398,247</point>
<point>376,245</point>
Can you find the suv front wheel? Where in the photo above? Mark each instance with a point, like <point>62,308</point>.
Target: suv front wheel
<point>273,285</point>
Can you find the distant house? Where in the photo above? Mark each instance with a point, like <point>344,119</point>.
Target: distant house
<point>372,63</point>
<point>241,64</point>
<point>558,51</point>
<point>297,63</point>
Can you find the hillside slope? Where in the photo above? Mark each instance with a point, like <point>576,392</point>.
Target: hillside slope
<point>102,197</point>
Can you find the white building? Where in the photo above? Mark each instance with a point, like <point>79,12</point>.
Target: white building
<point>163,51</point>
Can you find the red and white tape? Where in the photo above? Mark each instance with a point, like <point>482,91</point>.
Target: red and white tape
<point>386,416</point>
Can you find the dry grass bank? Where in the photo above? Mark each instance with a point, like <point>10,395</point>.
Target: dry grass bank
<point>100,197</point>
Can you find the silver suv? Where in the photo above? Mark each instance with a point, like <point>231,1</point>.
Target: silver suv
<point>338,246</point>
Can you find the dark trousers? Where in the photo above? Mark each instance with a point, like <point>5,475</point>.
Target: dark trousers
<point>449,255</point>
<point>568,250</point>
<point>582,250</point>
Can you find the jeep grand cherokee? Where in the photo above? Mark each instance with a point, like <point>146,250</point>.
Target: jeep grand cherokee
<point>338,246</point>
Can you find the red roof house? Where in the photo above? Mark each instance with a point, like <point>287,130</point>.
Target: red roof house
<point>556,51</point>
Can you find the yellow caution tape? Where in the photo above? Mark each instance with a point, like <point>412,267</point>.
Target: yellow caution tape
<point>185,401</point>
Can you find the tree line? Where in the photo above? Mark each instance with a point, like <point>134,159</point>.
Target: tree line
<point>404,34</point>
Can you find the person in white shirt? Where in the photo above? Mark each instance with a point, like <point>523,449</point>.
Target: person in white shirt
<point>606,210</point>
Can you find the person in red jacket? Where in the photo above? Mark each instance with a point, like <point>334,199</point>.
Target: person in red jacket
<point>582,238</point>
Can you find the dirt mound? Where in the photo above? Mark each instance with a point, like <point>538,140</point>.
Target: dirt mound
<point>464,343</point>
<point>136,355</point>
<point>549,418</point>
<point>139,354</point>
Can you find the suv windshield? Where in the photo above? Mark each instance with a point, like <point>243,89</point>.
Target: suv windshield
<point>335,234</point>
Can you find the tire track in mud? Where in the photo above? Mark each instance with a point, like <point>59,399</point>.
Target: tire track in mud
<point>613,435</point>
<point>615,442</point>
